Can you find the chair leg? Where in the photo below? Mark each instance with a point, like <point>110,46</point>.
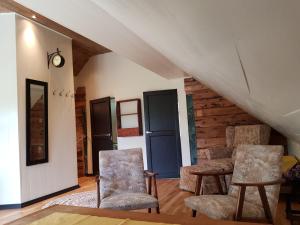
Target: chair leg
<point>219,185</point>
<point>194,212</point>
<point>157,210</point>
<point>149,210</point>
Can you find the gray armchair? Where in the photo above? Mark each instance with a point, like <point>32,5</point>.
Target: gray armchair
<point>222,159</point>
<point>254,191</point>
<point>121,183</point>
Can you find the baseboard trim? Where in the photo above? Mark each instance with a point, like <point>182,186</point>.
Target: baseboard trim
<point>33,201</point>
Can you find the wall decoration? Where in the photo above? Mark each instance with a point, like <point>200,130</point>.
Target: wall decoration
<point>129,118</point>
<point>36,122</point>
<point>56,58</point>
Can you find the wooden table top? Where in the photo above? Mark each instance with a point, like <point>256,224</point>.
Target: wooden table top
<point>153,217</point>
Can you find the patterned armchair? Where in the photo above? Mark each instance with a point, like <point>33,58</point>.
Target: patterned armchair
<point>223,158</point>
<point>121,183</point>
<point>254,190</point>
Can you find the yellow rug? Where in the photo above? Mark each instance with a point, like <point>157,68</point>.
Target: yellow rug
<point>58,218</point>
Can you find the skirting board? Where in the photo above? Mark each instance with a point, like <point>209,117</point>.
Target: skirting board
<point>24,204</point>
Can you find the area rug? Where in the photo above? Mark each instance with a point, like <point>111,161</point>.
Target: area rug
<point>82,199</point>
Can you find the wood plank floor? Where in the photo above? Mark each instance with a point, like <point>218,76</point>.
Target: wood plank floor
<point>170,198</point>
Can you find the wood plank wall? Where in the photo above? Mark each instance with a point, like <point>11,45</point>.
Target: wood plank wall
<point>80,107</point>
<point>213,113</point>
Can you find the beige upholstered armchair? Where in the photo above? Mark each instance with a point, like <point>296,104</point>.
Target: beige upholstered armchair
<point>222,159</point>
<point>254,191</point>
<point>121,183</point>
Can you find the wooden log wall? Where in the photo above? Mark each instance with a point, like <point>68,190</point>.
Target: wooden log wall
<point>213,113</point>
<point>80,107</point>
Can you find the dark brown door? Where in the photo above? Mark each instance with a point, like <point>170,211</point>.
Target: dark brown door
<point>101,129</point>
<point>162,132</point>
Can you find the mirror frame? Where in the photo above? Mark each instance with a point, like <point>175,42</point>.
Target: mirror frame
<point>29,82</point>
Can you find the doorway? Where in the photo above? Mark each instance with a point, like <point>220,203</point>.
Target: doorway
<point>162,133</point>
<point>102,127</point>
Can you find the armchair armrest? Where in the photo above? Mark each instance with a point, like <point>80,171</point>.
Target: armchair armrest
<point>151,176</point>
<point>218,153</point>
<point>211,173</point>
<point>257,184</point>
<point>148,173</point>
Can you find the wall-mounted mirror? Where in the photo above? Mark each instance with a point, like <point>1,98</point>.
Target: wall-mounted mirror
<point>36,122</point>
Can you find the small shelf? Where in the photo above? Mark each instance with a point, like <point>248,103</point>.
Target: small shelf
<point>128,132</point>
<point>129,118</point>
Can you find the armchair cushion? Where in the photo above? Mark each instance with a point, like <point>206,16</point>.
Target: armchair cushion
<point>129,201</point>
<point>252,135</point>
<point>121,171</point>
<point>222,207</point>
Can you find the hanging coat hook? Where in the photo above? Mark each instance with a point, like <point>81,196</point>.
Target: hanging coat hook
<point>67,94</point>
<point>61,93</point>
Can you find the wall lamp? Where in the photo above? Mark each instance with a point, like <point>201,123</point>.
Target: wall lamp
<point>56,59</point>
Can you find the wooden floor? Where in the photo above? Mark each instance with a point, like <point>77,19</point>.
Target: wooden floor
<point>170,198</point>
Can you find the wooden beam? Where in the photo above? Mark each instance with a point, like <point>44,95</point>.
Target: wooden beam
<point>3,9</point>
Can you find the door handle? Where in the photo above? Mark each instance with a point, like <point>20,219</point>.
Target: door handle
<point>148,132</point>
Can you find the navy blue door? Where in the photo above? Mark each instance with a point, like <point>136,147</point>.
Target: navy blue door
<point>162,132</point>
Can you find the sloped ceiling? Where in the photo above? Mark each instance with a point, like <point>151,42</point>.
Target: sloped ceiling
<point>88,19</point>
<point>247,50</point>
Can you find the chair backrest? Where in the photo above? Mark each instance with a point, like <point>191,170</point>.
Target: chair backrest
<point>258,163</point>
<point>121,171</point>
<point>251,135</point>
<point>258,134</point>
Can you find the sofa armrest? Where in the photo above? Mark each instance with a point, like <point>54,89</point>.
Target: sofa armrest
<point>218,153</point>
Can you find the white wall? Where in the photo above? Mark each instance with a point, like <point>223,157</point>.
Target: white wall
<point>33,43</point>
<point>115,76</point>
<point>24,45</point>
<point>9,143</point>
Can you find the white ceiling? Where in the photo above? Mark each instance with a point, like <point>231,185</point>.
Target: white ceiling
<point>208,39</point>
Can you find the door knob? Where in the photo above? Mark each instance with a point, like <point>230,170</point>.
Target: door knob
<point>148,132</point>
